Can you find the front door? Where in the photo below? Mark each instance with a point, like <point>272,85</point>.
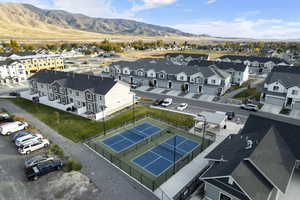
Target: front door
<point>289,101</point>
<point>200,89</point>
<point>170,85</point>
<point>154,83</point>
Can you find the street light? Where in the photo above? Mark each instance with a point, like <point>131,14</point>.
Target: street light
<point>204,125</point>
<point>103,119</point>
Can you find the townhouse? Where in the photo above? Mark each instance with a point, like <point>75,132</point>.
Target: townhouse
<point>162,73</point>
<point>12,71</point>
<point>185,58</point>
<point>259,163</point>
<point>258,65</point>
<point>84,94</point>
<point>239,72</point>
<point>282,87</point>
<point>34,62</point>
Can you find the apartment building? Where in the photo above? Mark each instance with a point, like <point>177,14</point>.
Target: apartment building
<point>12,71</point>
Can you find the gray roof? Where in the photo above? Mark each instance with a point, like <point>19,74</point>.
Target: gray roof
<point>8,62</point>
<point>289,76</point>
<point>159,65</point>
<point>25,53</point>
<point>82,82</point>
<point>275,149</point>
<point>254,58</point>
<point>221,65</point>
<point>185,55</point>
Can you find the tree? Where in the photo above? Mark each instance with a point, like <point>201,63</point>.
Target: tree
<point>15,46</point>
<point>28,47</point>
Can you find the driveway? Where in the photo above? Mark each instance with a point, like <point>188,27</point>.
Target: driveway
<point>206,97</point>
<point>112,183</point>
<point>295,113</point>
<point>270,108</point>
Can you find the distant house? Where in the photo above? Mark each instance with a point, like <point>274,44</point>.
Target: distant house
<point>258,65</point>
<point>239,71</point>
<point>162,73</point>
<point>82,93</point>
<point>260,163</point>
<point>12,71</point>
<point>185,58</point>
<point>282,87</point>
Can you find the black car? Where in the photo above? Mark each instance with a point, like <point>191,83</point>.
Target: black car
<point>43,168</point>
<point>158,102</point>
<point>14,94</point>
<point>230,115</point>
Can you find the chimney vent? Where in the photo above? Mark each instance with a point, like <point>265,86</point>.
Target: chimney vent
<point>249,144</point>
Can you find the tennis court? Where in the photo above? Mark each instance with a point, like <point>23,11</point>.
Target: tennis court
<point>161,157</point>
<point>130,137</point>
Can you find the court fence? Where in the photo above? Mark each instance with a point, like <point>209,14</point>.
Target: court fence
<point>136,172</point>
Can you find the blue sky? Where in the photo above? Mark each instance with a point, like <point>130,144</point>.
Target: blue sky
<point>262,19</point>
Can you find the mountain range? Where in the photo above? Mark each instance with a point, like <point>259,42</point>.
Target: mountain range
<point>27,21</point>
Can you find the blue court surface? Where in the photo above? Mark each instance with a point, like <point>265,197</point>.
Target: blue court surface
<point>130,137</point>
<point>161,157</point>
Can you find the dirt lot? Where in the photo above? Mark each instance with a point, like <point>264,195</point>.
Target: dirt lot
<point>56,185</point>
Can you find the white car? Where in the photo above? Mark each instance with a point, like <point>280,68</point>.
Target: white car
<point>249,106</point>
<point>33,145</point>
<point>26,138</point>
<point>182,106</point>
<point>167,102</point>
<point>12,127</point>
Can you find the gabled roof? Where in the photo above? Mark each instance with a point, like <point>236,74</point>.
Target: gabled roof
<point>254,58</point>
<point>267,164</point>
<point>289,76</point>
<point>8,62</point>
<point>82,82</point>
<point>185,55</point>
<point>25,53</point>
<point>221,65</point>
<point>170,68</point>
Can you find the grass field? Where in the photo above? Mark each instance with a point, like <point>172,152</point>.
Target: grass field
<point>78,128</point>
<point>246,93</point>
<point>123,159</point>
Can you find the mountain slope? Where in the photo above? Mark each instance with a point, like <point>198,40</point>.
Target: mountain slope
<point>24,20</point>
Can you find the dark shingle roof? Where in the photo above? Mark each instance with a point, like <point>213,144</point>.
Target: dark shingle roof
<point>159,65</point>
<point>221,65</point>
<point>82,82</point>
<point>275,149</point>
<point>25,53</point>
<point>254,58</point>
<point>289,76</point>
<point>8,62</point>
<point>185,55</point>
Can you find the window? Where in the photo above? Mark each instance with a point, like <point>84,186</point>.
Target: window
<point>71,100</point>
<point>294,92</point>
<point>275,88</point>
<point>83,104</point>
<point>78,103</point>
<point>70,91</point>
<point>100,97</point>
<point>162,75</point>
<point>213,81</point>
<point>224,197</point>
<point>181,78</point>
<point>77,94</point>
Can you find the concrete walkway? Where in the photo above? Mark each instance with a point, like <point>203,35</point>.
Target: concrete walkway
<point>112,183</point>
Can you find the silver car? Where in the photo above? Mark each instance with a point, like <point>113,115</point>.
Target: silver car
<point>39,159</point>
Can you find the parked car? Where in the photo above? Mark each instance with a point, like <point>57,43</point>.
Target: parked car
<point>21,134</point>
<point>39,159</point>
<point>134,86</point>
<point>182,106</point>
<point>230,115</point>
<point>167,102</point>
<point>12,127</point>
<point>249,106</point>
<point>24,139</point>
<point>43,168</point>
<point>15,94</point>
<point>158,102</point>
<point>4,118</point>
<point>33,145</point>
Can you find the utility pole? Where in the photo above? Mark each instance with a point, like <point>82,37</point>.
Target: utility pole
<point>133,111</point>
<point>103,120</point>
<point>174,157</point>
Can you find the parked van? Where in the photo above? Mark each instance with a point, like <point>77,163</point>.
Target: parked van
<point>22,140</point>
<point>12,127</point>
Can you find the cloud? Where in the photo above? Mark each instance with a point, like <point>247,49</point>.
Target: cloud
<point>148,4</point>
<point>245,28</point>
<point>211,1</point>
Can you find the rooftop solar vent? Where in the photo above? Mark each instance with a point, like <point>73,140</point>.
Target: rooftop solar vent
<point>249,144</point>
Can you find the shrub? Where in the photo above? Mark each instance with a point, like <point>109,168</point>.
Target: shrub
<point>55,149</point>
<point>18,118</point>
<point>72,165</point>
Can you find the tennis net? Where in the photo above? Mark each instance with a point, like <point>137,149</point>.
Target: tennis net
<point>137,133</point>
<point>171,149</point>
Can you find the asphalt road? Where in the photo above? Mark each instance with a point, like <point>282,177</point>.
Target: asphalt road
<point>197,105</point>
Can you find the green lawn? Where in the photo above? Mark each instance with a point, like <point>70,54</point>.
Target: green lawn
<point>246,93</point>
<point>78,128</point>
